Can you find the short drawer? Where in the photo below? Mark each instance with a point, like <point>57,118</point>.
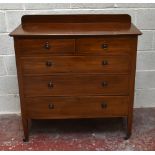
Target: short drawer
<point>75,64</point>
<point>68,85</point>
<point>76,107</point>
<point>105,45</point>
<point>46,46</point>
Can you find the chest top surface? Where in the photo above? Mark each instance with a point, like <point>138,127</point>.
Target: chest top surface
<point>75,25</point>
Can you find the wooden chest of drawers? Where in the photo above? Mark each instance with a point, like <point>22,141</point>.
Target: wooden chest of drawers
<point>76,66</point>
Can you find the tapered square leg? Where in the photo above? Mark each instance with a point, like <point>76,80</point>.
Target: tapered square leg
<point>127,136</point>
<point>25,129</point>
<point>128,124</point>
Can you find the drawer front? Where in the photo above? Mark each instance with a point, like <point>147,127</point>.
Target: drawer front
<point>76,64</point>
<point>76,107</point>
<point>46,46</point>
<point>103,46</point>
<point>68,85</point>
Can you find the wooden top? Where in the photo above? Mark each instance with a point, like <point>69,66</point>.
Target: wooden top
<point>75,25</point>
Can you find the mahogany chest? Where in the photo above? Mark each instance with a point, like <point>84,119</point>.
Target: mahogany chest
<point>76,66</point>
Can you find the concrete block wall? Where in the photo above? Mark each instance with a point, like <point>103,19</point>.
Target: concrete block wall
<point>143,16</point>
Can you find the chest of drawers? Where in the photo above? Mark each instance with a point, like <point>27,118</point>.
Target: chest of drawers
<point>76,66</point>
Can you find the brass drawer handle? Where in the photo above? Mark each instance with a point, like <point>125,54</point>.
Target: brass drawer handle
<point>50,84</point>
<point>51,106</point>
<point>104,46</point>
<point>104,105</point>
<point>105,62</point>
<point>104,83</point>
<point>48,63</point>
<point>47,46</point>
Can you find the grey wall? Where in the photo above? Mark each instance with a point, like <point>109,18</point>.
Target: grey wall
<point>143,16</point>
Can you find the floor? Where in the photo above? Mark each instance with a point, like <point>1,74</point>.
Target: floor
<point>88,134</point>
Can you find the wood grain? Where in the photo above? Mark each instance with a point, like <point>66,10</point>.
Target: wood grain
<point>38,46</point>
<point>75,64</point>
<point>72,85</point>
<point>115,45</point>
<point>75,25</point>
<point>77,107</point>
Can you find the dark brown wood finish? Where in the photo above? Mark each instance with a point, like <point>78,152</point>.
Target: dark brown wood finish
<point>75,85</point>
<point>46,46</point>
<point>87,18</point>
<point>62,25</point>
<point>77,107</point>
<point>76,66</point>
<point>106,45</point>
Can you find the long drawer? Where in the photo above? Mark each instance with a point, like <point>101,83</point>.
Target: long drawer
<point>75,64</point>
<point>76,107</point>
<point>74,84</point>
